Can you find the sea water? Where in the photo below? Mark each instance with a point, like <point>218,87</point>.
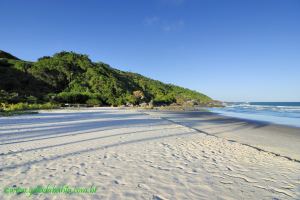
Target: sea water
<point>286,113</point>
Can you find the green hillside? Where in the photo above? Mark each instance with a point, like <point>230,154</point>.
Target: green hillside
<point>68,77</point>
<point>6,55</point>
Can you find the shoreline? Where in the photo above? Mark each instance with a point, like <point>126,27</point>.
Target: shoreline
<point>127,153</point>
<point>281,140</point>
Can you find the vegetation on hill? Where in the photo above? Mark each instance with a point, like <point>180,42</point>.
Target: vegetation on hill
<point>68,77</point>
<point>6,55</point>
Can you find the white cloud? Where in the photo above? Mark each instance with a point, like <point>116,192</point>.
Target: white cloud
<point>164,25</point>
<point>151,20</point>
<point>173,26</point>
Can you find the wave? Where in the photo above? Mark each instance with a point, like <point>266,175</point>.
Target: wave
<point>279,113</point>
<point>249,106</point>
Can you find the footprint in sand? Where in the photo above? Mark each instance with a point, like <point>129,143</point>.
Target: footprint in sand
<point>143,186</point>
<point>82,164</point>
<point>80,174</point>
<point>245,178</point>
<point>104,174</point>
<point>119,181</point>
<point>226,182</point>
<point>158,197</point>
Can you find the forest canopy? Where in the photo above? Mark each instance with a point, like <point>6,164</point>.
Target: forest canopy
<point>69,77</point>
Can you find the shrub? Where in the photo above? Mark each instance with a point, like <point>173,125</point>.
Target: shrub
<point>32,99</point>
<point>94,102</point>
<point>26,106</point>
<point>72,97</point>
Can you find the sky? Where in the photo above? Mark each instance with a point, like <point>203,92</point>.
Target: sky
<point>230,50</point>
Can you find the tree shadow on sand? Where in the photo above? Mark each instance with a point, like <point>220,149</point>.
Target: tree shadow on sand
<point>95,149</point>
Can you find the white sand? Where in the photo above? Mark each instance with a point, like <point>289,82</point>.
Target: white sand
<point>132,155</point>
<point>279,139</point>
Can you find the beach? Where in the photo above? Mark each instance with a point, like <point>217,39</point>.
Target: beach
<point>278,139</point>
<point>144,154</point>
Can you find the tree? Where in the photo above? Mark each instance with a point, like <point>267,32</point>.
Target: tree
<point>69,77</point>
<point>22,66</point>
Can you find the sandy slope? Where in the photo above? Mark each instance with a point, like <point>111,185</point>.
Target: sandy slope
<point>279,139</point>
<point>132,155</point>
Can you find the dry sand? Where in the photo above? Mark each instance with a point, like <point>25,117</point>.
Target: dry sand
<point>129,154</point>
<point>279,139</point>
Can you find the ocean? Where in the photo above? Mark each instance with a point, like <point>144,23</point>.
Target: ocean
<point>285,113</point>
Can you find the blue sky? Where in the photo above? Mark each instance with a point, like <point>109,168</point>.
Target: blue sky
<point>242,50</point>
